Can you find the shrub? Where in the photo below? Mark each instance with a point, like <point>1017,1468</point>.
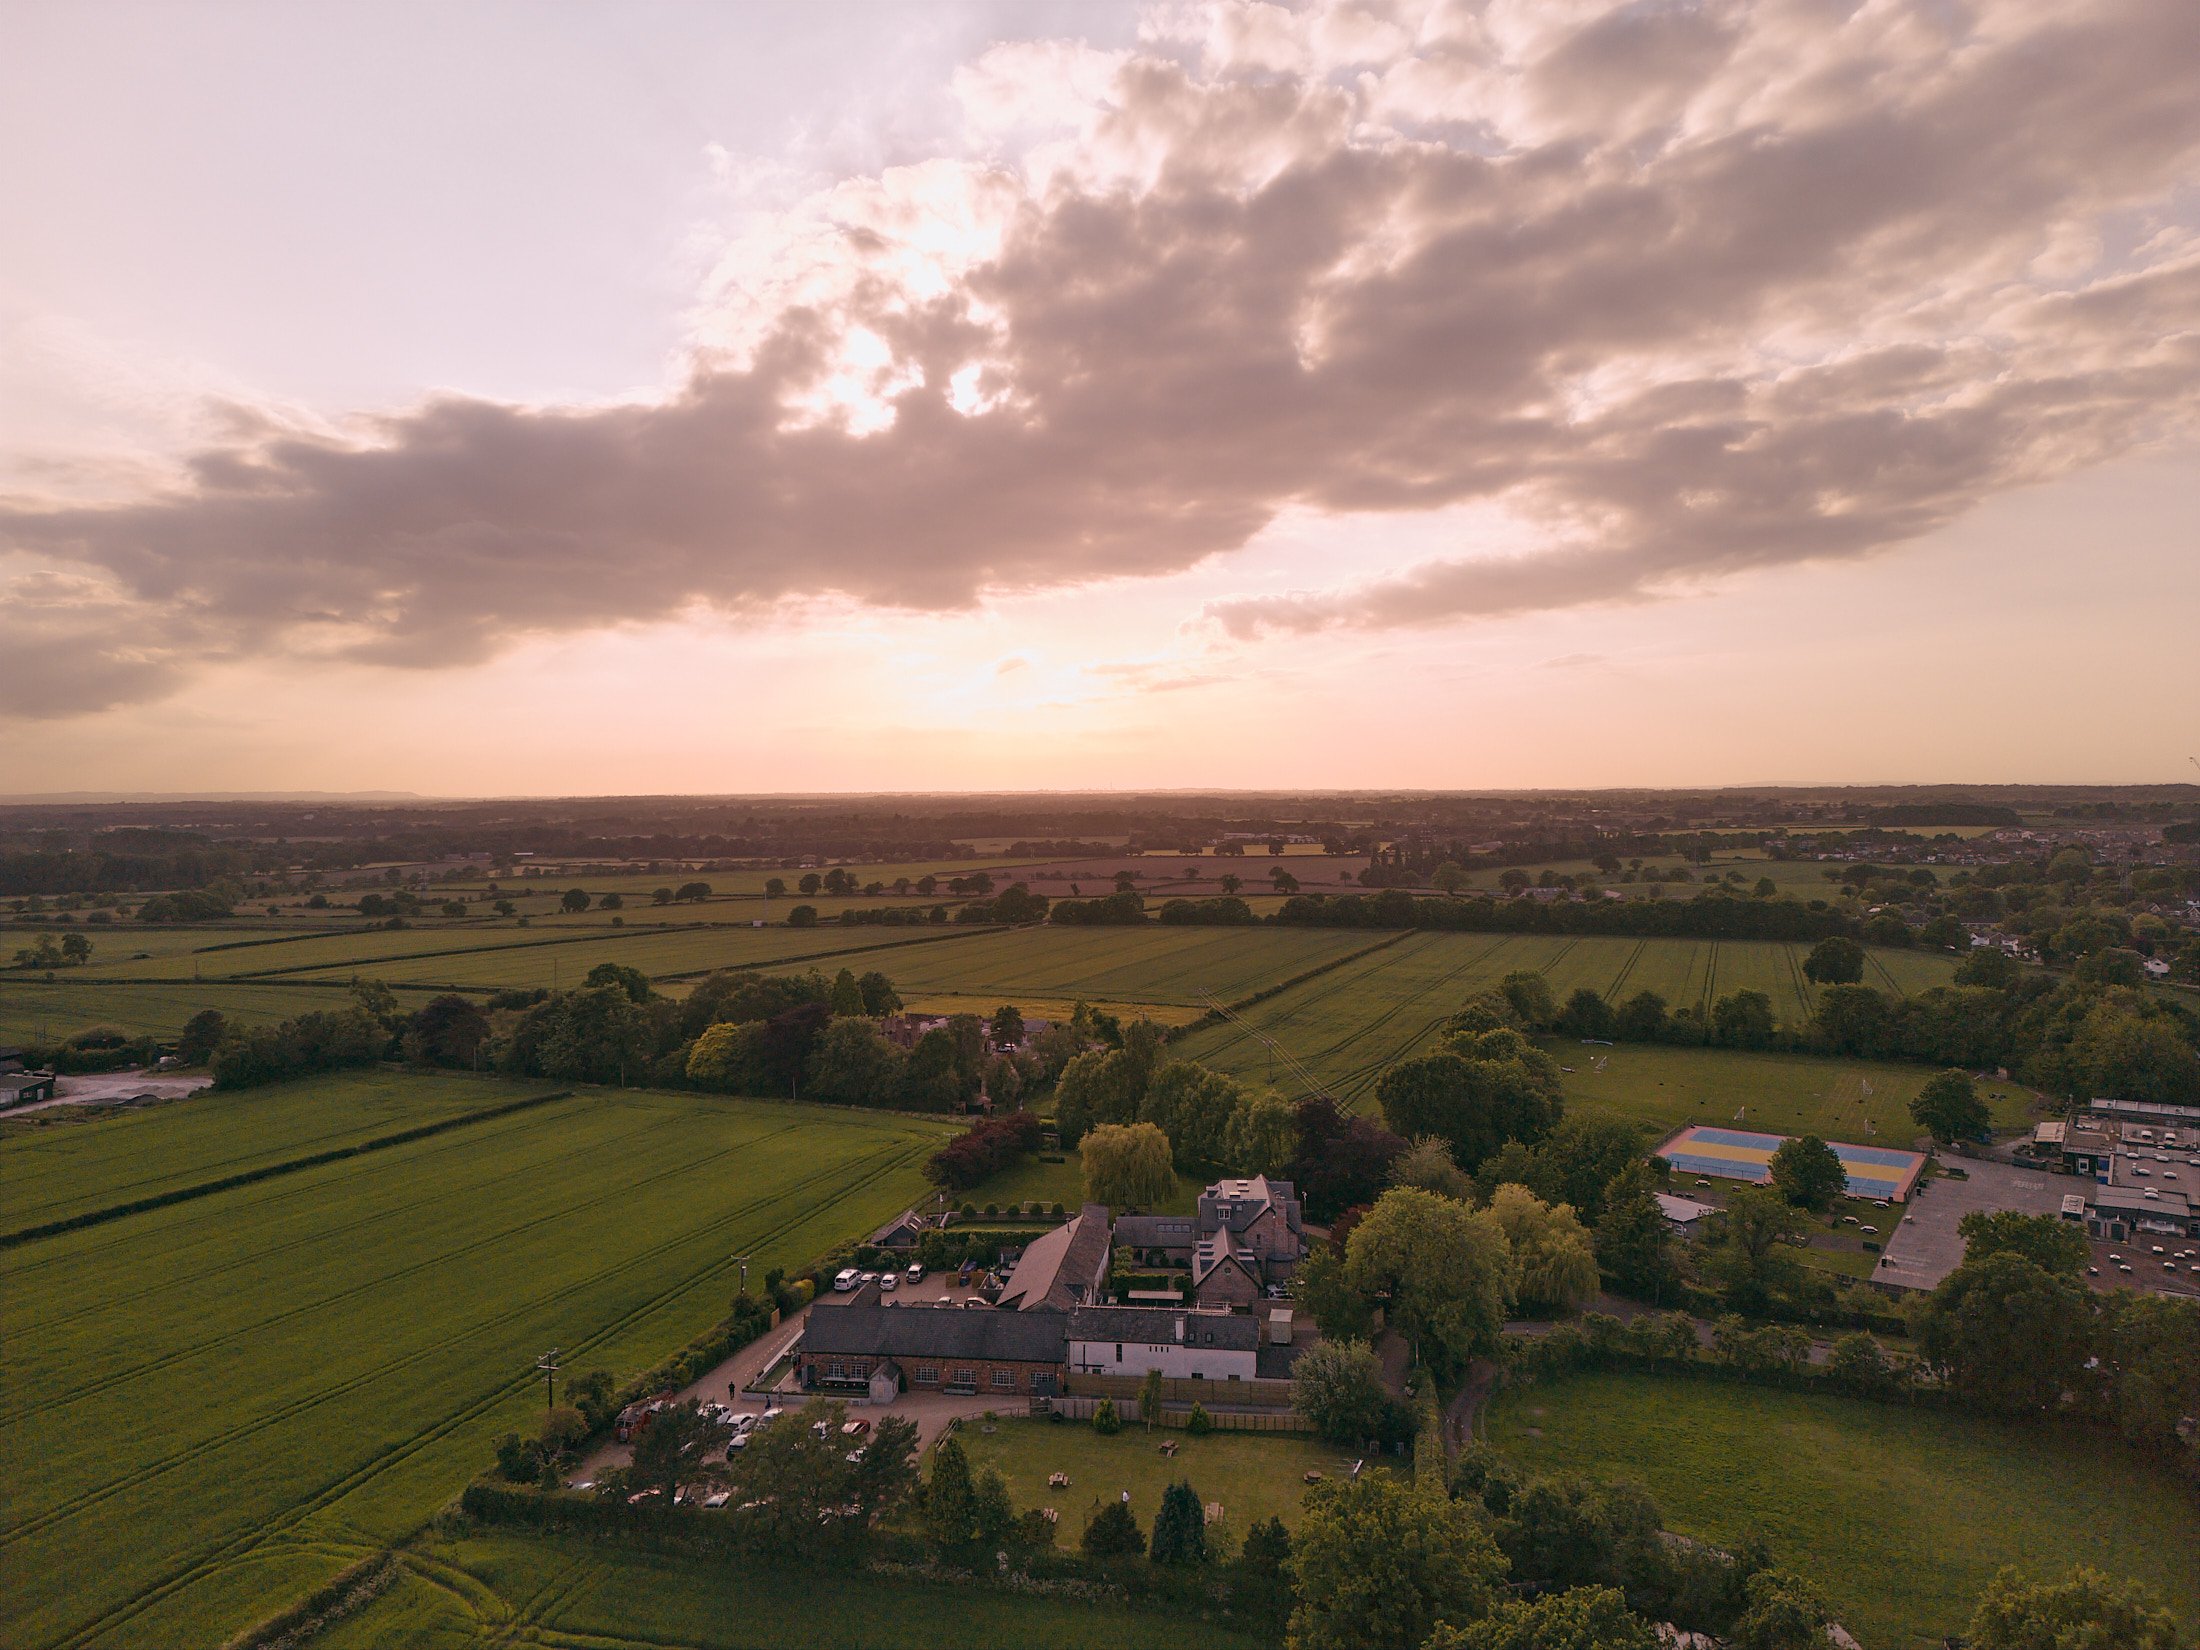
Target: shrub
<point>1104,1419</point>
<point>1199,1423</point>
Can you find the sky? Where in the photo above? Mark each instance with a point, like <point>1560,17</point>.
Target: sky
<point>552,398</point>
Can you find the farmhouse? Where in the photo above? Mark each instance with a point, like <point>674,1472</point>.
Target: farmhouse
<point>1181,1344</point>
<point>1245,1236</point>
<point>1068,1267</point>
<point>878,1350</point>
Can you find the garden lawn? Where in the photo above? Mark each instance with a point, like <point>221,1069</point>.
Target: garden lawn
<point>1035,1181</point>
<point>111,1157</point>
<point>1900,1516</point>
<point>211,1407</point>
<point>494,1590</point>
<point>1255,1475</point>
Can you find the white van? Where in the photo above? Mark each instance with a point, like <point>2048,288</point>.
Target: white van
<point>847,1280</point>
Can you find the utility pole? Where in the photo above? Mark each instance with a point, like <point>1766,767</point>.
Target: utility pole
<point>547,1367</point>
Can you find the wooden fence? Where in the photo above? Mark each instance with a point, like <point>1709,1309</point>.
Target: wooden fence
<point>1078,1408</point>
<point>1254,1394</point>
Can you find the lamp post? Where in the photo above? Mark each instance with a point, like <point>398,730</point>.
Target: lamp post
<point>547,1367</point>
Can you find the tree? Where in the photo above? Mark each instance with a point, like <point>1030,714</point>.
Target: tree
<point>1007,1026</point>
<point>1323,1292</point>
<point>1948,1108</point>
<point>1634,1241</point>
<point>1587,1014</point>
<point>1342,1161</point>
<point>1749,1243</point>
<point>728,1058</point>
<point>802,916</point>
<point>202,1034</point>
<point>1444,1270</point>
<point>1643,1018</point>
<point>1742,1019</point>
<point>1853,1019</point>
<point>1782,1612</point>
<point>1473,1105</point>
<point>1427,1164</point>
<point>1113,1532</point>
<point>2008,1335</point>
<point>1104,1419</point>
<point>1808,1173</point>
<point>1554,1267</point>
<point>574,899</point>
<point>996,1514</point>
<point>2049,1243</point>
<point>879,996</point>
<point>1836,960</point>
<point>951,1499</point>
<point>1990,966</point>
<point>1263,1136</point>
<point>932,1079</point>
<point>1149,1399</point>
<point>2085,1610</point>
<point>1127,1165</point>
<point>1231,882</point>
<point>1180,1527</point>
<point>632,981</point>
<point>1580,1618</point>
<point>449,1030</point>
<point>1194,1107</point>
<point>682,1447</point>
<point>1098,1086</point>
<point>2151,1347</point>
<point>847,998</point>
<point>1337,1389</point>
<point>1380,1564</point>
<point>853,1065</point>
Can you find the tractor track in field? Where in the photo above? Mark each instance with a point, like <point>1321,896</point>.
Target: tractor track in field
<point>1360,1030</point>
<point>196,1569</point>
<point>1350,1082</point>
<point>122,1377</point>
<point>1619,980</point>
<point>1880,968</point>
<point>532,1304</point>
<point>1802,986</point>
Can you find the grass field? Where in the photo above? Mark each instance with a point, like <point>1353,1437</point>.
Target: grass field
<point>487,1591</point>
<point>1037,1181</point>
<point>1254,1475</point>
<point>1862,1101</point>
<point>64,1169</point>
<point>1900,1515</point>
<point>33,1011</point>
<point>212,1406</point>
<point>1344,1027</point>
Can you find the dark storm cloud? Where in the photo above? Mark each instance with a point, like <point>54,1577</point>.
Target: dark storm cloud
<point>1689,330</point>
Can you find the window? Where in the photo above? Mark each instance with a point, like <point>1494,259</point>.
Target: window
<point>966,1377</point>
<point>833,1370</point>
<point>928,1374</point>
<point>1118,1351</point>
<point>1004,1378</point>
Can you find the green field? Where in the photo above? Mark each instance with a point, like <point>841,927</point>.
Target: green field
<point>33,1011</point>
<point>1122,967</point>
<point>487,1591</point>
<point>1901,1516</point>
<point>1344,1027</point>
<point>64,1169</point>
<point>1854,1100</point>
<point>212,1406</point>
<point>1254,1476</point>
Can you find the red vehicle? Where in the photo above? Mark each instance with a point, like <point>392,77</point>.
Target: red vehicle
<point>635,1418</point>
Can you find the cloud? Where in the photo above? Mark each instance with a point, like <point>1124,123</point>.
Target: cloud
<point>1695,290</point>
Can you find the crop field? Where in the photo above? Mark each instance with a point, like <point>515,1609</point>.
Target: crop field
<point>64,1169</point>
<point>485,1591</point>
<point>1128,967</point>
<point>1901,1516</point>
<point>212,1406</point>
<point>1344,1027</point>
<point>34,1011</point>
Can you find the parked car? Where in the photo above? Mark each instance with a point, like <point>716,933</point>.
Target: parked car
<point>890,1281</point>
<point>846,1280</point>
<point>962,1276</point>
<point>856,1428</point>
<point>915,1273</point>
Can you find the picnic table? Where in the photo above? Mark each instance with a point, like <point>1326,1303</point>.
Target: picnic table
<point>1057,1480</point>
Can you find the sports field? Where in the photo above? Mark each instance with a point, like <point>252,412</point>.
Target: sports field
<point>502,1590</point>
<point>1901,1516</point>
<point>1744,1154</point>
<point>213,1406</point>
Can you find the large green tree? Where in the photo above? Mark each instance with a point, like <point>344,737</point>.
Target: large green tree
<point>2053,1244</point>
<point>1808,1173</point>
<point>2009,1335</point>
<point>1948,1107</point>
<point>1380,1564</point>
<point>1554,1266</point>
<point>1834,961</point>
<point>1580,1618</point>
<point>1443,1271</point>
<point>1634,1240</point>
<point>852,1065</point>
<point>1337,1389</point>
<point>1180,1527</point>
<point>1749,1244</point>
<point>2084,1610</point>
<point>1127,1166</point>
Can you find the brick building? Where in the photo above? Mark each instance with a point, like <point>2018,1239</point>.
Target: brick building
<point>957,1349</point>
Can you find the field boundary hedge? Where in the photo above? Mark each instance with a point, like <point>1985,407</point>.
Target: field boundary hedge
<point>348,1590</point>
<point>271,1171</point>
<point>1217,1017</point>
